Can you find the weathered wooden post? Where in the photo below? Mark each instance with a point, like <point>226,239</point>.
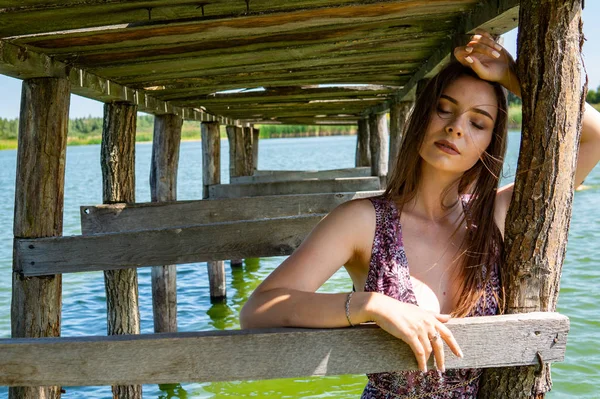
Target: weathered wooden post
<point>163,187</point>
<point>237,162</point>
<point>118,185</point>
<point>378,143</point>
<point>399,113</point>
<point>255,137</point>
<point>363,152</point>
<point>39,193</point>
<point>537,224</point>
<point>211,174</point>
<point>248,146</point>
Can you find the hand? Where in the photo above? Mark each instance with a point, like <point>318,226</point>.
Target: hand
<point>489,60</point>
<point>416,327</point>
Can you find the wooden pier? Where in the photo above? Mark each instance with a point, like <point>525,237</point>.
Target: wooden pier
<point>294,62</point>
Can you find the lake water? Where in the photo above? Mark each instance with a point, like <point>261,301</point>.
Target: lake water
<point>84,305</point>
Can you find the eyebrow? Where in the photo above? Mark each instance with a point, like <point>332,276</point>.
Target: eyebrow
<point>479,111</point>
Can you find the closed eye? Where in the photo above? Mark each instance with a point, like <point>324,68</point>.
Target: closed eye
<point>476,126</point>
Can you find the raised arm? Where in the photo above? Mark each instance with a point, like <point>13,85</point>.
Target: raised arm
<point>492,62</point>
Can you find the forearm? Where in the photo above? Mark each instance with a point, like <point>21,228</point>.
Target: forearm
<point>283,307</point>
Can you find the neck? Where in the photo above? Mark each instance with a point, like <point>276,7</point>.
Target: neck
<point>437,195</point>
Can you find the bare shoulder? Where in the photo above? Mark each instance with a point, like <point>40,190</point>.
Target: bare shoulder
<point>503,198</point>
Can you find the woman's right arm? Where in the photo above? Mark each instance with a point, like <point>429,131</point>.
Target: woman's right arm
<point>287,298</point>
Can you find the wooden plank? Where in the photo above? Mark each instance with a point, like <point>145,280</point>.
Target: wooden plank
<point>295,187</point>
<point>32,17</point>
<point>22,63</point>
<point>39,202</point>
<point>144,216</point>
<point>363,150</point>
<point>494,16</point>
<point>263,176</point>
<point>203,243</point>
<point>256,354</point>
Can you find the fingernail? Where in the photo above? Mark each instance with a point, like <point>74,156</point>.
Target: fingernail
<point>443,369</point>
<point>469,59</point>
<point>496,54</point>
<point>498,47</point>
<point>460,353</point>
<point>469,49</point>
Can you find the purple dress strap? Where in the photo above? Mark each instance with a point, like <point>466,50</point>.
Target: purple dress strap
<point>389,274</point>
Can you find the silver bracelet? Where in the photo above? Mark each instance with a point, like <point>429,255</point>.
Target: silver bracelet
<point>348,308</point>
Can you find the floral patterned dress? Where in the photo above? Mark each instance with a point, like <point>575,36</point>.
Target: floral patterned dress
<point>389,275</point>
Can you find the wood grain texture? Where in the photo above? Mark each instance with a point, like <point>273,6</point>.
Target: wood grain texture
<point>256,354</point>
<point>163,187</point>
<point>399,114</point>
<point>211,175</point>
<point>260,238</point>
<point>255,137</point>
<point>117,158</point>
<point>39,197</point>
<point>132,217</point>
<point>285,175</point>
<point>537,223</point>
<point>341,185</point>
<point>211,156</point>
<point>363,149</point>
<point>379,144</point>
<point>249,151</point>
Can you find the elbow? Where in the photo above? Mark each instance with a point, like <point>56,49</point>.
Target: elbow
<point>262,310</point>
<point>247,315</point>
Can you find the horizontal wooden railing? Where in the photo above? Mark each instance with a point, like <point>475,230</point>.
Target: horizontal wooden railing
<point>153,215</point>
<point>350,184</point>
<point>493,341</point>
<point>198,243</point>
<point>263,176</point>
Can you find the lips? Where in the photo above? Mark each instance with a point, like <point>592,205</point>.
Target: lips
<point>447,147</point>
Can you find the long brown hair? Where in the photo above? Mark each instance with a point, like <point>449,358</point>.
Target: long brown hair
<point>482,245</point>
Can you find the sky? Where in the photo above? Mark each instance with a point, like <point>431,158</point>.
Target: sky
<point>10,89</point>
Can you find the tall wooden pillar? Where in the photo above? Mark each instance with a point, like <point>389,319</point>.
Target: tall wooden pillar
<point>118,186</point>
<point>237,161</point>
<point>378,143</point>
<point>399,113</point>
<point>255,137</point>
<point>249,148</point>
<point>211,174</point>
<point>39,194</point>
<point>363,152</point>
<point>163,187</point>
<point>537,223</point>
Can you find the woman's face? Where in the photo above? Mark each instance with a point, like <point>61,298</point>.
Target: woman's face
<point>461,127</point>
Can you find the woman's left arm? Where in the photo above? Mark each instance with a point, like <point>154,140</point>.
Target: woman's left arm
<point>492,62</point>
<point>589,144</point>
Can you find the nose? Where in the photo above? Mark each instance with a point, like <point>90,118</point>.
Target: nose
<point>454,128</point>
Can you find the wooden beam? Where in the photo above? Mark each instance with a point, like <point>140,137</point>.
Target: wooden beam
<point>21,18</point>
<point>537,222</point>
<point>399,114</point>
<point>203,243</point>
<point>379,144</point>
<point>256,354</point>
<point>495,16</point>
<point>295,187</point>
<point>118,186</point>
<point>166,215</point>
<point>163,188</point>
<point>22,63</point>
<point>284,175</point>
<point>39,201</point>
<point>211,175</point>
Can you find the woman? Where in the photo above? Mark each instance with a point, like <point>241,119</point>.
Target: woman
<point>442,213</point>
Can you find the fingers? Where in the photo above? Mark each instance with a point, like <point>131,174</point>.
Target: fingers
<point>447,336</point>
<point>426,343</point>
<point>438,352</point>
<point>417,348</point>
